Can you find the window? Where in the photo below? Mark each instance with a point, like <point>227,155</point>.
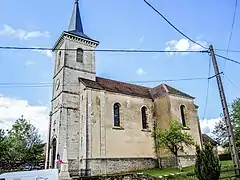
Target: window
<point>116,111</point>
<point>182,109</point>
<point>59,59</point>
<point>144,117</point>
<point>80,55</point>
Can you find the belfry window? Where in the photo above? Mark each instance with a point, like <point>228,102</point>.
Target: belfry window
<point>79,55</point>
<point>116,112</point>
<point>182,110</point>
<point>59,59</point>
<point>144,117</point>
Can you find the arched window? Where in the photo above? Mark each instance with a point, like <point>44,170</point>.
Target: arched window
<point>59,59</point>
<point>54,145</point>
<point>182,110</point>
<point>144,117</point>
<point>79,55</point>
<point>116,111</point>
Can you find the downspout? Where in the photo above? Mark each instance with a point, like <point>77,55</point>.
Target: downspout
<point>86,168</point>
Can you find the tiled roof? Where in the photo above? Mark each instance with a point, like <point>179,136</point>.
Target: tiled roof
<point>206,138</point>
<point>132,89</point>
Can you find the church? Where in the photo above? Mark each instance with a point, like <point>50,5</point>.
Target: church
<point>103,126</point>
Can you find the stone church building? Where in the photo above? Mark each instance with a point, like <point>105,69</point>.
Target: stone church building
<point>99,125</point>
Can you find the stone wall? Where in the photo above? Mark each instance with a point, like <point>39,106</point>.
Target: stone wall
<point>122,165</point>
<point>123,177</point>
<point>187,160</point>
<point>119,165</point>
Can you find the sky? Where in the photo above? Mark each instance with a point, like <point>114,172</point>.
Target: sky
<point>117,25</point>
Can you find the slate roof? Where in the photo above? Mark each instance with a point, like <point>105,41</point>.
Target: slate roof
<point>132,89</point>
<point>75,25</point>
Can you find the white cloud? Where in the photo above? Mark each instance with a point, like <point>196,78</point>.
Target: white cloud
<point>141,72</point>
<point>141,39</point>
<point>29,63</point>
<point>207,125</point>
<point>47,53</point>
<point>183,45</point>
<point>11,109</point>
<point>22,34</point>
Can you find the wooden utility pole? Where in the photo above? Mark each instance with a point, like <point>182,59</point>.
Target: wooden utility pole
<point>234,151</point>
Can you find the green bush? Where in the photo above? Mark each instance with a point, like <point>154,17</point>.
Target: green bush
<point>207,166</point>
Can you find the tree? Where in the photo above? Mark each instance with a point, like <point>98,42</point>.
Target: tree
<point>173,138</point>
<point>22,143</point>
<point>207,166</point>
<point>3,145</point>
<point>220,130</point>
<point>220,133</point>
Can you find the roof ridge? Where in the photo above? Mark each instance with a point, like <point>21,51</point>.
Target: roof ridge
<point>168,86</point>
<point>165,87</point>
<point>123,82</point>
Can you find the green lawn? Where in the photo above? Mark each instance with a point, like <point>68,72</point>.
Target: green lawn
<point>166,171</point>
<point>190,169</point>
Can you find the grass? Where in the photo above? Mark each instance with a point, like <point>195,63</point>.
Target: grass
<point>167,171</point>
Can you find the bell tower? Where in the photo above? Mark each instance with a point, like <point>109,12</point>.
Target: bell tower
<point>74,58</point>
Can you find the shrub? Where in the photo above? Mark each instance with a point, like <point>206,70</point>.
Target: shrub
<point>207,166</point>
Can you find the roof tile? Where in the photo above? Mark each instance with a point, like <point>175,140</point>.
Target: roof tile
<point>131,89</point>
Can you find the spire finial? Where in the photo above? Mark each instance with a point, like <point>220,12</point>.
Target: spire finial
<point>76,1</point>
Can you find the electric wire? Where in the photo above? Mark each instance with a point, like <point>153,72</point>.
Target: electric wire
<point>229,59</point>
<point>98,50</point>
<point>42,84</point>
<point>207,94</point>
<point>237,87</point>
<point>230,36</point>
<point>174,26</point>
<point>224,50</point>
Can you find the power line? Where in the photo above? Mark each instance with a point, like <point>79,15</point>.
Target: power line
<point>99,50</point>
<point>208,81</point>
<point>111,50</point>
<point>234,51</point>
<point>174,26</point>
<point>42,84</point>
<point>232,60</point>
<point>230,36</point>
<point>237,87</point>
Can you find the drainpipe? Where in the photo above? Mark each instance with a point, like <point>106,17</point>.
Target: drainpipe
<point>87,141</point>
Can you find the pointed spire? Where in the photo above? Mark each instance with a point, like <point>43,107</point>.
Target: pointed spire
<point>75,25</point>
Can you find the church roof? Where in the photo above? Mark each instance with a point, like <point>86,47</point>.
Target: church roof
<point>206,138</point>
<point>132,89</point>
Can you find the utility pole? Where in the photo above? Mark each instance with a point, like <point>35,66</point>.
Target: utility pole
<point>234,152</point>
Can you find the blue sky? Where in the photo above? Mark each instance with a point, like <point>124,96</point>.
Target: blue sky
<point>120,24</point>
